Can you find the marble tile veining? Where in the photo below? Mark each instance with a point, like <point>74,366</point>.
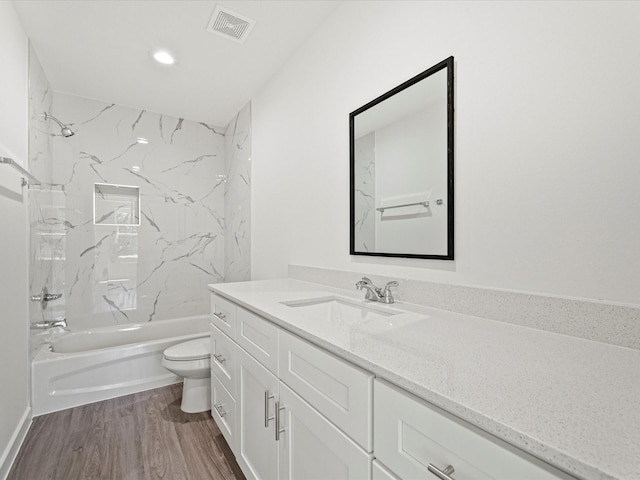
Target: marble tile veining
<point>116,267</point>
<point>237,194</point>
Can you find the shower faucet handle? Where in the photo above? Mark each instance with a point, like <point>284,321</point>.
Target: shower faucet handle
<point>45,297</point>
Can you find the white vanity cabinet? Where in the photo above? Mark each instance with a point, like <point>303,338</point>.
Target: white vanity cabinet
<point>291,410</point>
<point>292,426</point>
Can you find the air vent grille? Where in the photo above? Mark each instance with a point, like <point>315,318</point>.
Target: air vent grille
<point>230,24</point>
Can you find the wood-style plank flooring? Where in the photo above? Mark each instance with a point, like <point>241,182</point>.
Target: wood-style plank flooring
<point>135,437</point>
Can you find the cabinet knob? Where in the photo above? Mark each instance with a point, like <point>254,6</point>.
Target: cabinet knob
<point>442,474</point>
<point>219,358</point>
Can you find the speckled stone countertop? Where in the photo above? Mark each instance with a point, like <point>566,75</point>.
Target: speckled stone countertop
<point>574,403</point>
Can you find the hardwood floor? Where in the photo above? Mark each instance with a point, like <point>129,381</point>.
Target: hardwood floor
<point>135,437</point>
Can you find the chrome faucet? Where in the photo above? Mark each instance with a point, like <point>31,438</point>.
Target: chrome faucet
<point>376,294</point>
<point>61,322</point>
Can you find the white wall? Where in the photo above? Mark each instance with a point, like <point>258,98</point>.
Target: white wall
<point>547,144</point>
<point>14,356</point>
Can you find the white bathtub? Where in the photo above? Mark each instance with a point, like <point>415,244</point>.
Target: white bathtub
<point>100,363</point>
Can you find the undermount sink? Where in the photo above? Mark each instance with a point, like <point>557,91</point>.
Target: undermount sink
<point>341,309</point>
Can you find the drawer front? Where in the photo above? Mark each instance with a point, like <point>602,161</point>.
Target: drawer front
<point>223,315</point>
<point>223,411</point>
<point>381,473</point>
<point>259,338</point>
<point>223,359</point>
<point>337,389</point>
<point>410,434</point>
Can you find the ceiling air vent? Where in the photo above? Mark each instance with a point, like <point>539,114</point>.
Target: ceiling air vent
<point>230,24</point>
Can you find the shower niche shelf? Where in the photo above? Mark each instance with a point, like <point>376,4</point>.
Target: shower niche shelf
<point>116,205</point>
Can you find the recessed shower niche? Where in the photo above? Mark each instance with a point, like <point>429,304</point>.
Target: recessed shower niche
<point>116,204</point>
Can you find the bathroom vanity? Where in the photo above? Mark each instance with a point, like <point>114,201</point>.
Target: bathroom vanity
<point>313,382</point>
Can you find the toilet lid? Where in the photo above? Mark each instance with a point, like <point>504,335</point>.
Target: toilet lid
<point>192,350</point>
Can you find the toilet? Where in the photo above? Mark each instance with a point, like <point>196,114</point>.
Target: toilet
<point>191,360</point>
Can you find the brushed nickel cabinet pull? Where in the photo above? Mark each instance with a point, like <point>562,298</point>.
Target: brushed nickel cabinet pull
<point>278,429</point>
<point>218,407</point>
<point>267,418</point>
<point>442,474</point>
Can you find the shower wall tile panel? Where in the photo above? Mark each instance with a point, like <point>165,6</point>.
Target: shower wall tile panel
<point>160,269</point>
<point>237,205</point>
<point>45,238</point>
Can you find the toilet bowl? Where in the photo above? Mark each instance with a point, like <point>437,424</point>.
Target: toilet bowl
<point>191,360</point>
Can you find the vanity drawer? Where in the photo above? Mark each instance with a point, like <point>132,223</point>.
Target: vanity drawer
<point>258,337</point>
<point>410,434</point>
<point>340,391</point>
<point>223,359</point>
<point>223,315</point>
<point>223,411</point>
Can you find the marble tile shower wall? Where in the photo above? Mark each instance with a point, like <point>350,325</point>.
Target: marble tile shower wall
<point>237,198</point>
<point>114,270</point>
<point>44,239</point>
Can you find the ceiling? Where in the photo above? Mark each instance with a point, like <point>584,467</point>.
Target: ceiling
<point>102,50</point>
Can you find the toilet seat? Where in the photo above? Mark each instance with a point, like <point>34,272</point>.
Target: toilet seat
<point>198,349</point>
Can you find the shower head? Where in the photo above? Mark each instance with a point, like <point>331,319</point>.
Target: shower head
<point>64,129</point>
<point>67,132</point>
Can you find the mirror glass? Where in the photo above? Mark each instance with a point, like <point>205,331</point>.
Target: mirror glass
<point>401,148</point>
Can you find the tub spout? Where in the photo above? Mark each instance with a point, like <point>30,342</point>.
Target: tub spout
<point>62,322</point>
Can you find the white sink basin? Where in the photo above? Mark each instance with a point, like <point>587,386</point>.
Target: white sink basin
<point>339,309</point>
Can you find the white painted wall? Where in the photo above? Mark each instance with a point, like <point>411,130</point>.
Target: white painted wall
<point>547,145</point>
<point>14,350</point>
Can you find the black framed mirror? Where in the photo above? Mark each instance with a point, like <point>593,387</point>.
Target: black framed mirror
<point>401,168</point>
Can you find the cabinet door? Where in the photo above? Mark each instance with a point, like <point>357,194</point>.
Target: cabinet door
<point>257,390</point>
<point>312,448</point>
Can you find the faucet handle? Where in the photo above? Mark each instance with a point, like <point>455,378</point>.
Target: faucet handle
<point>386,292</point>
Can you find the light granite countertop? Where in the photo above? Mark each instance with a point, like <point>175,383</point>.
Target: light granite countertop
<point>574,403</point>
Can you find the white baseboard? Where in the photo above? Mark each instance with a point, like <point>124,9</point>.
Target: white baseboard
<point>11,451</point>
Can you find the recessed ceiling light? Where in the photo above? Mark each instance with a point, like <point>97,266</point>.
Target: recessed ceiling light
<point>142,140</point>
<point>164,57</point>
